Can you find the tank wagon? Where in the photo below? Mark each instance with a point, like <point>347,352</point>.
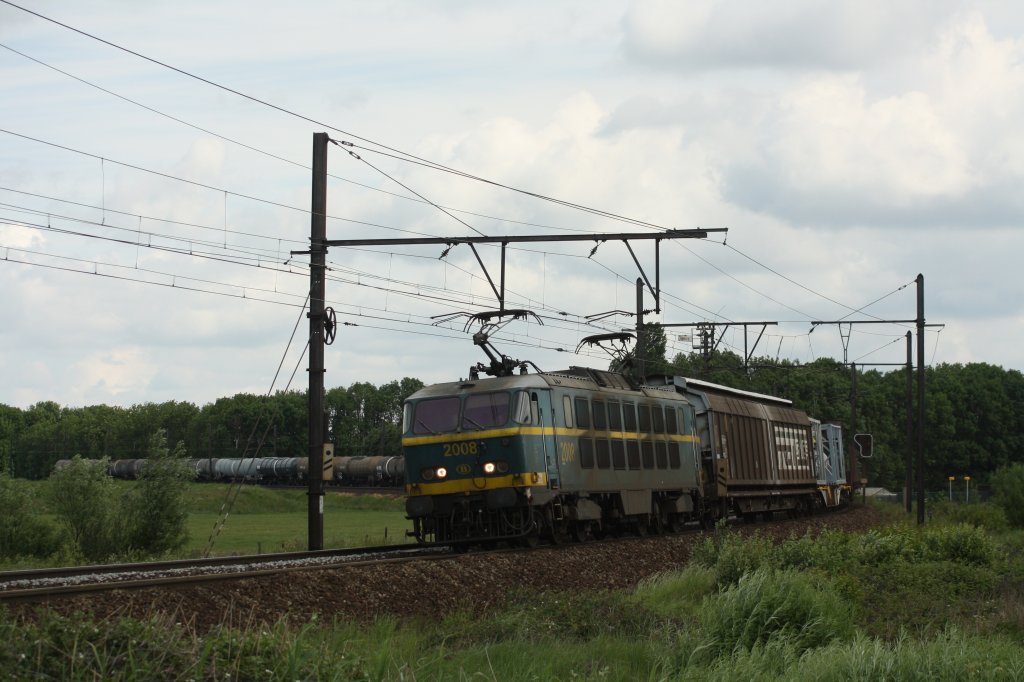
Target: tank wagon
<point>573,453</point>
<point>379,471</point>
<point>371,471</point>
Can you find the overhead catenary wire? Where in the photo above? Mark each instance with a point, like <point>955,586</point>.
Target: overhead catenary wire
<point>403,154</point>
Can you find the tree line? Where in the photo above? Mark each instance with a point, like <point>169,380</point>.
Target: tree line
<point>974,417</point>
<point>363,419</point>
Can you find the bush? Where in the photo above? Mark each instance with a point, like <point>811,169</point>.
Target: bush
<point>22,531</point>
<point>84,499</point>
<point>1008,493</point>
<point>984,515</point>
<point>148,519</point>
<point>767,604</point>
<point>155,505</point>
<point>732,555</point>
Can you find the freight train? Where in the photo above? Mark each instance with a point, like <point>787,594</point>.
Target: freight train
<point>576,453</point>
<point>348,471</point>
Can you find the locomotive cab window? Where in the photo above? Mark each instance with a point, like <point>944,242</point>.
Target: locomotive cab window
<point>567,410</point>
<point>439,415</point>
<point>522,409</point>
<point>485,410</point>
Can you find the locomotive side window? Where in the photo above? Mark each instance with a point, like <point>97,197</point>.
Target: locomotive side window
<point>647,454</point>
<point>567,410</point>
<point>662,452</point>
<point>439,415</point>
<point>406,417</point>
<point>674,450</point>
<point>671,425</point>
<point>633,454</point>
<point>629,417</point>
<point>658,418</point>
<point>604,459</point>
<point>485,410</point>
<point>587,453</point>
<point>618,454</point>
<point>582,413</point>
<point>645,418</point>
<point>600,416</point>
<point>614,416</point>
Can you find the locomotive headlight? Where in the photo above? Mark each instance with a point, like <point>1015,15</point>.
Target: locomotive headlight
<point>427,474</point>
<point>441,472</point>
<point>489,468</point>
<point>502,467</point>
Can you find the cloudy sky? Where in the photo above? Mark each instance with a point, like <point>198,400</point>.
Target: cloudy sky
<point>148,207</point>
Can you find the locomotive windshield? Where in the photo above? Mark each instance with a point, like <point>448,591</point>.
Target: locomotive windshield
<point>485,410</point>
<point>440,415</point>
<point>446,415</point>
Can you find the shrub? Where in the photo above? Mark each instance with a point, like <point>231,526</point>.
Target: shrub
<point>768,604</point>
<point>148,519</point>
<point>84,499</point>
<point>732,555</point>
<point>962,543</point>
<point>22,531</point>
<point>155,505</point>
<point>1008,493</point>
<point>983,515</point>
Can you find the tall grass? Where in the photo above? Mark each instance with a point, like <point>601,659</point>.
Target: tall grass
<point>945,603</point>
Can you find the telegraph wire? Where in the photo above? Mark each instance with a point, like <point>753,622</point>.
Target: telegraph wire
<point>278,157</point>
<point>397,154</point>
<point>205,186</point>
<point>446,298</point>
<point>150,218</point>
<point>403,155</point>
<point>408,158</point>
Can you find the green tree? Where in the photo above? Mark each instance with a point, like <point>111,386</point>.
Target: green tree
<point>84,499</point>
<point>1008,493</point>
<point>23,531</point>
<point>154,507</point>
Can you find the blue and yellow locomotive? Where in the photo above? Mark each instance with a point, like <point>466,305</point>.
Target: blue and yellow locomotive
<point>554,455</point>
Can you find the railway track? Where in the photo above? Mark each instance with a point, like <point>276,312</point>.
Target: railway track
<point>46,583</point>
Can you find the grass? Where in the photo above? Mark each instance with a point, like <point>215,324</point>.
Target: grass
<point>261,520</point>
<point>945,602</point>
<point>276,519</point>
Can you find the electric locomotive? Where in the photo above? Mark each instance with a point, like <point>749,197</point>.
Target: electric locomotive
<point>557,455</point>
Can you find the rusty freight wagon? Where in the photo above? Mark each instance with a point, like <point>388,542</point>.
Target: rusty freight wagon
<point>756,450</point>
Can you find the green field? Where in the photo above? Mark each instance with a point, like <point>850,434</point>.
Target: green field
<point>273,520</point>
<point>261,520</point>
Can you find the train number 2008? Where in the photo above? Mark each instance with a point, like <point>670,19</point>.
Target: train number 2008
<point>460,449</point>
